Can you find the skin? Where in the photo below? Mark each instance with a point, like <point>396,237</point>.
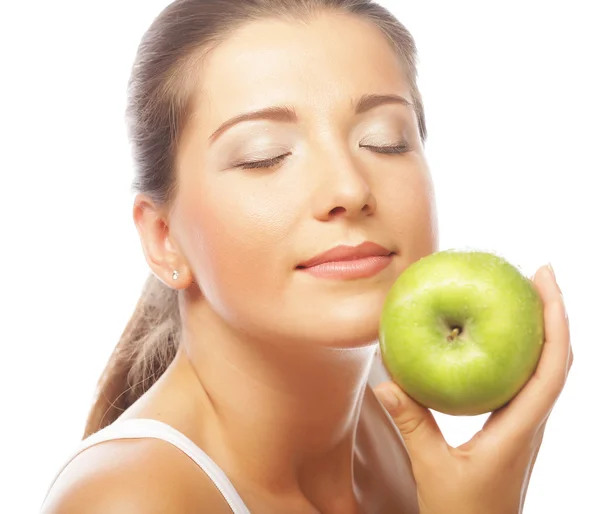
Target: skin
<point>271,375</point>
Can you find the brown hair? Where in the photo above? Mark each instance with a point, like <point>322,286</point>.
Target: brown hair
<point>160,89</point>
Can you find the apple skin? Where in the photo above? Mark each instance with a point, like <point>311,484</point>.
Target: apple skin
<point>501,321</point>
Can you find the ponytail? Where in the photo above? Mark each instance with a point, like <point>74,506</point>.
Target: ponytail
<point>145,350</point>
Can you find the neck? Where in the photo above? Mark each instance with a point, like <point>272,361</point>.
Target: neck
<point>282,416</point>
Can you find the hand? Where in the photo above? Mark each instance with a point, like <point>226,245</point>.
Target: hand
<point>490,473</point>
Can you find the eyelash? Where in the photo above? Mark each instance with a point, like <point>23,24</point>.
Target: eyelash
<point>269,163</point>
<point>393,149</point>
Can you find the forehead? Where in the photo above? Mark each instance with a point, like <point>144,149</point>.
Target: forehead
<point>324,63</point>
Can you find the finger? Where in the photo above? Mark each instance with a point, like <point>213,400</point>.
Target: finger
<point>523,415</point>
<point>567,321</point>
<point>421,433</point>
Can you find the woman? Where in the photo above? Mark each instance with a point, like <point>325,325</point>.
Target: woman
<point>266,133</point>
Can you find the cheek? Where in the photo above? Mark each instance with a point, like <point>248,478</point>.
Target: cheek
<point>410,213</point>
<point>237,244</point>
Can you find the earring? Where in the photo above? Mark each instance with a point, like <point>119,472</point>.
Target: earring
<point>175,275</point>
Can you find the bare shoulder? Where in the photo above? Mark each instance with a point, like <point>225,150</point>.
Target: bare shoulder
<point>133,476</point>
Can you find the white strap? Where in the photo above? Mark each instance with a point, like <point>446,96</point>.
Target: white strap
<point>151,428</point>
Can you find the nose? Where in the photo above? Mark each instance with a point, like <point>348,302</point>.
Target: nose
<point>342,190</point>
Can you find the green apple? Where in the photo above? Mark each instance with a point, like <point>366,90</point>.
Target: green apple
<point>461,332</point>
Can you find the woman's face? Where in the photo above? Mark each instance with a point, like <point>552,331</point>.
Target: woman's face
<point>244,231</point>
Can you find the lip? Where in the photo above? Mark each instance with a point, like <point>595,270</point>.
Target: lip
<point>347,253</point>
<point>345,262</point>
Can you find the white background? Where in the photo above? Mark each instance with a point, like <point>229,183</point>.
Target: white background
<point>511,93</point>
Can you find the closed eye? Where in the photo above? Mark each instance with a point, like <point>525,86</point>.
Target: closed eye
<point>267,163</point>
<point>391,149</point>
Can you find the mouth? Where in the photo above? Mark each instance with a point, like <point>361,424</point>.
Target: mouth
<point>348,262</point>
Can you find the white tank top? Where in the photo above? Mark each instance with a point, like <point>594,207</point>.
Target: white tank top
<point>144,428</point>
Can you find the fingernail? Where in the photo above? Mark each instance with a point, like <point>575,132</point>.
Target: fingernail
<point>389,399</point>
<point>551,269</point>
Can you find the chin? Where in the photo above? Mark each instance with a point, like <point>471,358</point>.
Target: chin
<point>353,323</point>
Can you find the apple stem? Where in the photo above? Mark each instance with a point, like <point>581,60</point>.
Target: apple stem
<point>454,334</point>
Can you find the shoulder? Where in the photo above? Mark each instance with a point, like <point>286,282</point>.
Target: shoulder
<point>133,476</point>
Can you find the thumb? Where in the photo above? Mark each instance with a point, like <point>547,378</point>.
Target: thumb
<point>420,431</point>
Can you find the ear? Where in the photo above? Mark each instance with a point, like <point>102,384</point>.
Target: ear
<point>160,249</point>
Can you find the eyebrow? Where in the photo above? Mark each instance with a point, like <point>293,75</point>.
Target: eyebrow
<point>288,114</point>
